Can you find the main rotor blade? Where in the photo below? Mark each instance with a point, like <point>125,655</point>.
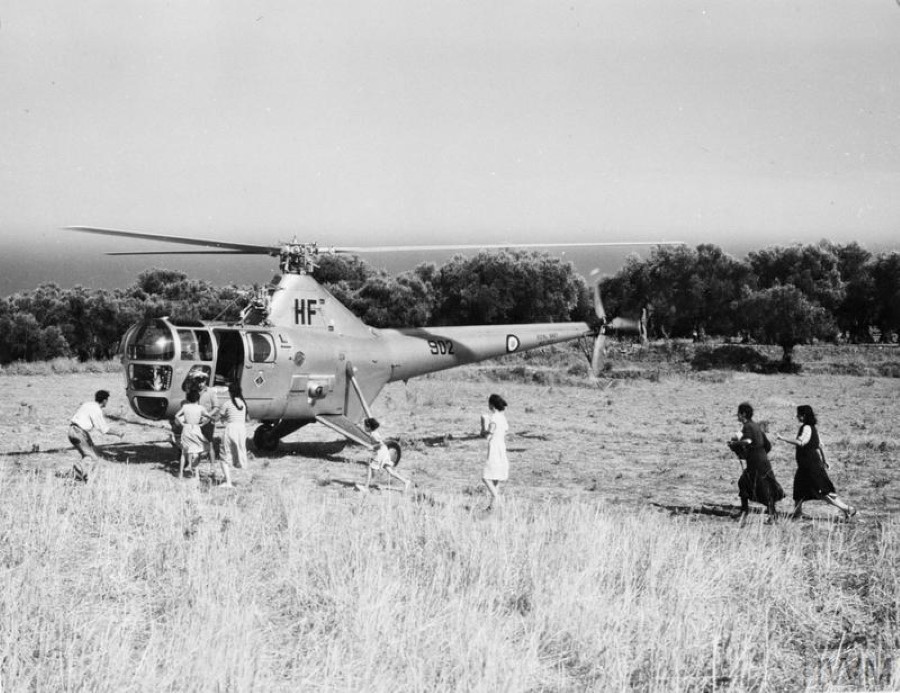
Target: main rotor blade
<point>183,252</point>
<point>274,250</point>
<point>245,248</point>
<point>492,246</point>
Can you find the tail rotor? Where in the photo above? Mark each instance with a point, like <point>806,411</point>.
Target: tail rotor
<point>617,324</point>
<point>600,338</point>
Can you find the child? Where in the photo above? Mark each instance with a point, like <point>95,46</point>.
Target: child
<point>191,416</point>
<point>381,456</point>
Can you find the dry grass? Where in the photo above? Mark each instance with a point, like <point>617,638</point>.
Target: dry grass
<point>613,565</point>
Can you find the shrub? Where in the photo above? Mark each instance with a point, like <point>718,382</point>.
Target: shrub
<point>734,357</point>
<point>889,370</point>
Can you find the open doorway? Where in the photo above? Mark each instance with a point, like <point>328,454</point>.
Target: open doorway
<point>230,363</point>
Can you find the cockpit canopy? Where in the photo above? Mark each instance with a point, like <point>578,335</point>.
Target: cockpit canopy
<point>152,341</point>
<point>155,352</point>
<point>161,357</point>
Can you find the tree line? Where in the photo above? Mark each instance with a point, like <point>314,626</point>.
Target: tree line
<point>780,295</point>
<point>784,295</point>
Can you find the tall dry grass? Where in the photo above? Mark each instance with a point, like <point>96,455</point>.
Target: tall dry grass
<point>136,583</point>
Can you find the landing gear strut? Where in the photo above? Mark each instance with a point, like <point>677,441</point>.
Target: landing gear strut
<point>392,445</point>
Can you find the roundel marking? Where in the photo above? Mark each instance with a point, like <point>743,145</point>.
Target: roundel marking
<point>512,343</point>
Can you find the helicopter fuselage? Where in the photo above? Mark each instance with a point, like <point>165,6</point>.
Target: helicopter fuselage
<point>288,373</point>
<point>309,359</point>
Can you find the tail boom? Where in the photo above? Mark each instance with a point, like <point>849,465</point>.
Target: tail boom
<point>418,351</point>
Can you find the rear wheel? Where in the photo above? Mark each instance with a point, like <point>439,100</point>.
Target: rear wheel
<point>394,451</point>
<point>264,438</point>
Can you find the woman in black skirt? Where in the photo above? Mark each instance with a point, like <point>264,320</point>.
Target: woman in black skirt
<point>811,480</point>
<point>757,483</point>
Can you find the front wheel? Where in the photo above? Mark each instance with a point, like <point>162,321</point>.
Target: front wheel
<point>264,438</point>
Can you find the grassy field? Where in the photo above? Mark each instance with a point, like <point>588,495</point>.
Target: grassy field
<point>613,565</point>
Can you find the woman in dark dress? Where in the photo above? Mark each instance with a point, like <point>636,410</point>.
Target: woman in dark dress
<point>811,480</point>
<point>757,483</point>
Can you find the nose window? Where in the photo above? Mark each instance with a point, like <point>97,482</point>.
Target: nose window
<point>146,377</point>
<point>151,407</point>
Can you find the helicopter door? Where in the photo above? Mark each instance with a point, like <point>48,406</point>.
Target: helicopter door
<point>266,380</point>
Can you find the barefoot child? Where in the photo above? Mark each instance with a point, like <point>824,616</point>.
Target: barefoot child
<point>191,416</point>
<point>381,456</point>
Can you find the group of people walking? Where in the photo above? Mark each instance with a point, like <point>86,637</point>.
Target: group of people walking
<point>194,424</point>
<point>757,481</point>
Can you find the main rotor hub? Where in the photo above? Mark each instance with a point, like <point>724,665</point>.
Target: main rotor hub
<point>299,258</point>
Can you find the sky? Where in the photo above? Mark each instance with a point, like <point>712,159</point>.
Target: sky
<point>737,123</point>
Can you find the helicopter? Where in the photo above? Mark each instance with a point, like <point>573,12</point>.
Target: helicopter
<point>300,356</point>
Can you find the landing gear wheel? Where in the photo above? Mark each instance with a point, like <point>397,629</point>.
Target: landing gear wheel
<point>394,451</point>
<point>264,438</point>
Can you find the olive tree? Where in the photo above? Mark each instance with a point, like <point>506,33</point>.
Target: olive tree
<point>783,315</point>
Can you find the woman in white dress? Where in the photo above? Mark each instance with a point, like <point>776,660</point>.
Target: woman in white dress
<point>496,469</point>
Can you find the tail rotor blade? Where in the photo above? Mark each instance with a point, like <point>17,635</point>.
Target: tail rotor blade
<point>599,346</point>
<point>598,303</point>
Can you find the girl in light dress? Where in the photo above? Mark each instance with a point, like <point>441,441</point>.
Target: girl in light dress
<point>234,413</point>
<point>494,428</point>
<point>191,416</point>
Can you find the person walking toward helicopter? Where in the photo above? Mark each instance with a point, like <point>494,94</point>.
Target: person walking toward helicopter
<point>757,482</point>
<point>192,417</point>
<point>811,480</point>
<point>89,417</point>
<point>381,456</point>
<point>210,403</point>
<point>233,413</point>
<point>496,467</point>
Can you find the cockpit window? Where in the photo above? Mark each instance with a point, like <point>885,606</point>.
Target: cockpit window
<point>195,345</point>
<point>189,351</point>
<point>204,344</point>
<point>262,347</point>
<point>152,342</point>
